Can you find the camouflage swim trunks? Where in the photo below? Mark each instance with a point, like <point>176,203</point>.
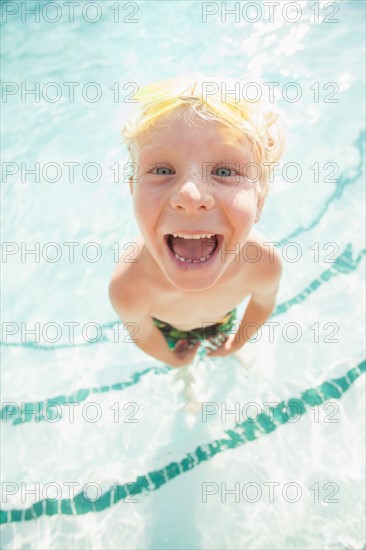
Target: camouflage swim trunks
<point>211,336</point>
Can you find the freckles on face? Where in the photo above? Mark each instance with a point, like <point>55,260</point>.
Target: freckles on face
<point>240,208</point>
<point>239,201</point>
<point>147,198</point>
<point>145,205</point>
<point>192,190</point>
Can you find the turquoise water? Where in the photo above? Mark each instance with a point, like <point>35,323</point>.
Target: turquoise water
<point>171,456</point>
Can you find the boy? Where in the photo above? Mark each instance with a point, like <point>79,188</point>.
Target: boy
<point>202,168</point>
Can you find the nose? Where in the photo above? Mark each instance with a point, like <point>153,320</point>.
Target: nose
<point>191,195</point>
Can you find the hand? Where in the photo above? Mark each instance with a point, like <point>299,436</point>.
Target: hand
<point>227,347</point>
<point>184,353</point>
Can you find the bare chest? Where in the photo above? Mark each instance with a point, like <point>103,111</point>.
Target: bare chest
<point>188,310</point>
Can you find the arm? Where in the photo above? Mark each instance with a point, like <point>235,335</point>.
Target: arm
<point>259,308</point>
<point>148,337</point>
<point>256,314</point>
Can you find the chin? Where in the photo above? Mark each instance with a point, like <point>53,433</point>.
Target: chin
<point>193,283</point>
<point>192,276</point>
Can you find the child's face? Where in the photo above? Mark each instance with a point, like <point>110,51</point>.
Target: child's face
<point>193,180</point>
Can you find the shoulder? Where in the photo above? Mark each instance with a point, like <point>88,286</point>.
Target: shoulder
<point>268,266</point>
<point>125,285</point>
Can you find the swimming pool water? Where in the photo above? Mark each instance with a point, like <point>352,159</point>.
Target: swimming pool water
<point>170,453</point>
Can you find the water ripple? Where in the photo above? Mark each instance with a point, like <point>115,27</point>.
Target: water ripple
<point>241,434</point>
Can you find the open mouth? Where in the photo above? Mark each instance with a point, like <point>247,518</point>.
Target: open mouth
<point>193,249</point>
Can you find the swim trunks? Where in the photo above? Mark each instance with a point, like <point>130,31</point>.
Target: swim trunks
<point>212,336</point>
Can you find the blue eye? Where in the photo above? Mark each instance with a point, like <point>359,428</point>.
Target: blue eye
<point>163,171</point>
<point>224,172</point>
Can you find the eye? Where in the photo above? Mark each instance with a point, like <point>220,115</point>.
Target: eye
<point>225,171</point>
<point>162,171</point>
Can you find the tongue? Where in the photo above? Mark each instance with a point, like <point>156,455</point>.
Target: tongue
<point>193,249</point>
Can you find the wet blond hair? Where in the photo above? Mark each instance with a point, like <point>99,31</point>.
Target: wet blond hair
<point>201,95</point>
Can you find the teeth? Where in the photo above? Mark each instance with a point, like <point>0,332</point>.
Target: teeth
<point>202,236</point>
<point>204,259</point>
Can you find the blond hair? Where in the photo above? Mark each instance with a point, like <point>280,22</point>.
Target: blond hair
<point>254,119</point>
